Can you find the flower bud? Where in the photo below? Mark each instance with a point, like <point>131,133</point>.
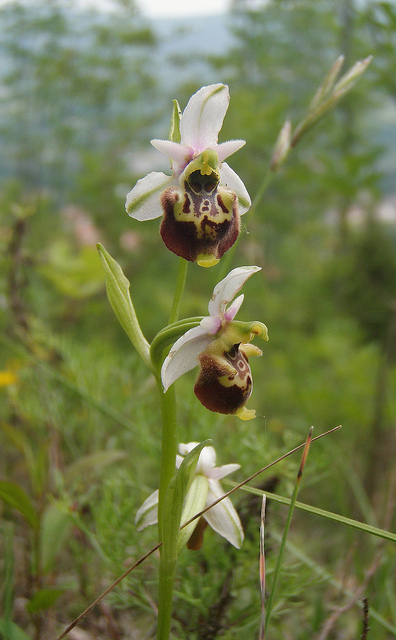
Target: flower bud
<point>282,146</point>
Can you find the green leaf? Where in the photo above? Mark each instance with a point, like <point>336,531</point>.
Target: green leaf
<point>15,436</point>
<point>11,631</point>
<point>91,465</point>
<point>43,599</point>
<point>194,503</point>
<point>55,529</point>
<point>74,274</point>
<point>36,468</point>
<point>36,460</point>
<point>7,573</point>
<point>174,498</point>
<point>17,498</point>
<point>117,287</point>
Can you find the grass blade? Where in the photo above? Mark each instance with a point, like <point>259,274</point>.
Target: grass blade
<point>262,569</point>
<point>287,526</point>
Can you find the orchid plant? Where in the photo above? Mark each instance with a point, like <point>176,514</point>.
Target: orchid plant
<point>200,203</point>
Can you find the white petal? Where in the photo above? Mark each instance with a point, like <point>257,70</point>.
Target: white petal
<point>226,149</point>
<point>227,289</point>
<point>223,518</point>
<point>185,448</point>
<point>184,355</point>
<point>203,117</point>
<point>221,472</point>
<point>230,179</point>
<point>143,201</point>
<point>178,152</point>
<point>147,514</point>
<point>206,461</point>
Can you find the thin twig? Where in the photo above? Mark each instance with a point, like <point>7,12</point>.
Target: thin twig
<point>366,627</point>
<point>82,615</point>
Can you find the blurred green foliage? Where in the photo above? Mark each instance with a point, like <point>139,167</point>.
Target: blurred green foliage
<point>79,421</point>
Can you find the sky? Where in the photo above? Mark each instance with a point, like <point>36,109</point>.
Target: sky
<point>174,8</point>
<point>168,8</point>
<point>165,8</point>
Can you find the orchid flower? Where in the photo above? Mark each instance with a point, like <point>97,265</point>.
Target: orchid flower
<point>204,490</point>
<point>202,201</point>
<point>221,347</point>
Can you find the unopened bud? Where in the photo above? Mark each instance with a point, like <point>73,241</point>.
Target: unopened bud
<point>282,147</point>
<point>328,95</point>
<point>327,85</point>
<point>346,82</point>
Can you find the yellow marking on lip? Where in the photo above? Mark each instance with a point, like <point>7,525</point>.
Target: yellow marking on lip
<point>204,260</point>
<point>245,414</point>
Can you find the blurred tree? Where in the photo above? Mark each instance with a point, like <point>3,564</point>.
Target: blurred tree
<point>274,70</point>
<point>379,19</point>
<point>77,93</point>
<point>324,253</point>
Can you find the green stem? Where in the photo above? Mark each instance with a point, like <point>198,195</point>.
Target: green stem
<point>168,447</point>
<point>168,408</point>
<point>180,282</point>
<point>166,580</point>
<point>167,471</point>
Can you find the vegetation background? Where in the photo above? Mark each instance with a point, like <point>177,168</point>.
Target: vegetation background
<point>82,93</point>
